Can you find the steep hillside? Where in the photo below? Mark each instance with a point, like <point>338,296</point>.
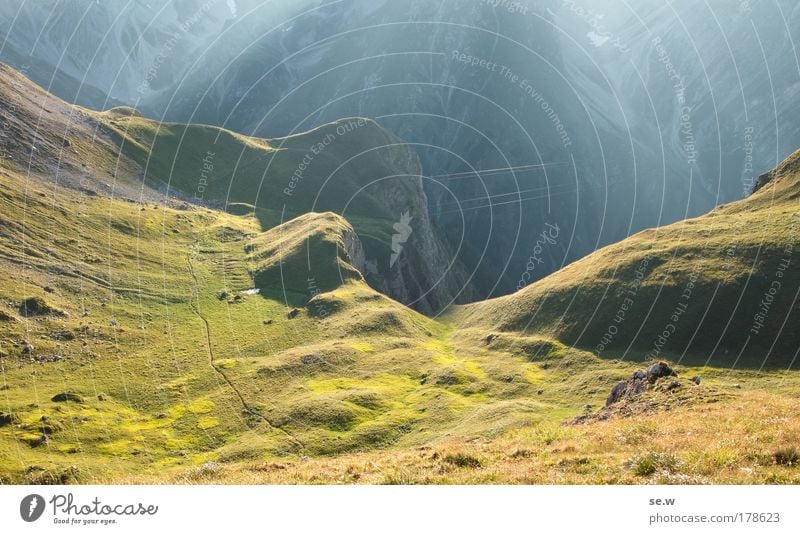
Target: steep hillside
<point>146,334</point>
<point>150,336</point>
<point>723,287</point>
<point>352,167</point>
<point>652,112</point>
<point>321,250</point>
<point>133,342</point>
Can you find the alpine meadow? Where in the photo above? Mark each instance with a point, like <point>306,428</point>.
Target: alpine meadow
<point>367,242</point>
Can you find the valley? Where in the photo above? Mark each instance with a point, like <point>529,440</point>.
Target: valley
<point>152,332</point>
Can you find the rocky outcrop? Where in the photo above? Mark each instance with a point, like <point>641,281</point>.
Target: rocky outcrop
<point>419,268</point>
<point>640,382</point>
<point>38,307</point>
<point>656,389</point>
<point>790,165</point>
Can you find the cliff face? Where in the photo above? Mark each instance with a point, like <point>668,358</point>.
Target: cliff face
<point>644,107</point>
<point>420,268</point>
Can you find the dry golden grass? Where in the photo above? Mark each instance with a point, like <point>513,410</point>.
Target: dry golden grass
<point>742,440</point>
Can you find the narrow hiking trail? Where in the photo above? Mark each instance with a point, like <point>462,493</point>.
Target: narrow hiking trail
<point>194,303</point>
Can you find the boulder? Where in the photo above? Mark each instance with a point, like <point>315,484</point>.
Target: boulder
<point>627,389</point>
<point>37,307</point>
<point>639,382</point>
<point>7,419</point>
<point>68,397</point>
<point>659,370</point>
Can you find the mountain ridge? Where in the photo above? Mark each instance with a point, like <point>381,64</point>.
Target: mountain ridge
<point>727,263</point>
<point>352,166</point>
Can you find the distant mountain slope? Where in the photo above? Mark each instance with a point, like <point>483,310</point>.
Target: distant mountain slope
<point>352,167</point>
<point>665,109</point>
<point>724,285</point>
<point>145,337</point>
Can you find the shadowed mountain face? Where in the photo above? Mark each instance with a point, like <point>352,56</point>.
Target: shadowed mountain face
<point>633,115</point>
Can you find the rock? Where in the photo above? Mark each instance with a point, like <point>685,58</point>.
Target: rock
<point>627,389</point>
<point>268,322</point>
<point>6,317</point>
<point>7,419</point>
<point>696,380</point>
<point>68,397</point>
<point>311,359</point>
<point>49,426</point>
<point>659,370</point>
<point>294,313</point>
<point>63,336</point>
<point>37,307</point>
<point>28,349</point>
<point>642,381</point>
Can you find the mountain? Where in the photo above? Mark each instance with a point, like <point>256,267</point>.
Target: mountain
<point>103,54</point>
<point>723,286</point>
<point>615,117</point>
<point>352,167</point>
<point>158,327</point>
<point>163,334</point>
<point>649,123</point>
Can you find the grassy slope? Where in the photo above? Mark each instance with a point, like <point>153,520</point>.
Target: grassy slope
<point>186,379</point>
<point>259,171</point>
<point>307,253</point>
<point>191,370</point>
<point>712,273</point>
<point>198,388</point>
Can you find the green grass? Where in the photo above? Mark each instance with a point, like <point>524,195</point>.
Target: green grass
<point>180,373</point>
<point>179,384</point>
<point>349,175</point>
<point>187,377</point>
<point>703,280</point>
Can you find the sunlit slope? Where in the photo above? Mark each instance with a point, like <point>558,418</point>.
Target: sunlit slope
<point>724,286</point>
<point>132,343</point>
<point>306,172</point>
<point>317,251</point>
<point>351,167</point>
